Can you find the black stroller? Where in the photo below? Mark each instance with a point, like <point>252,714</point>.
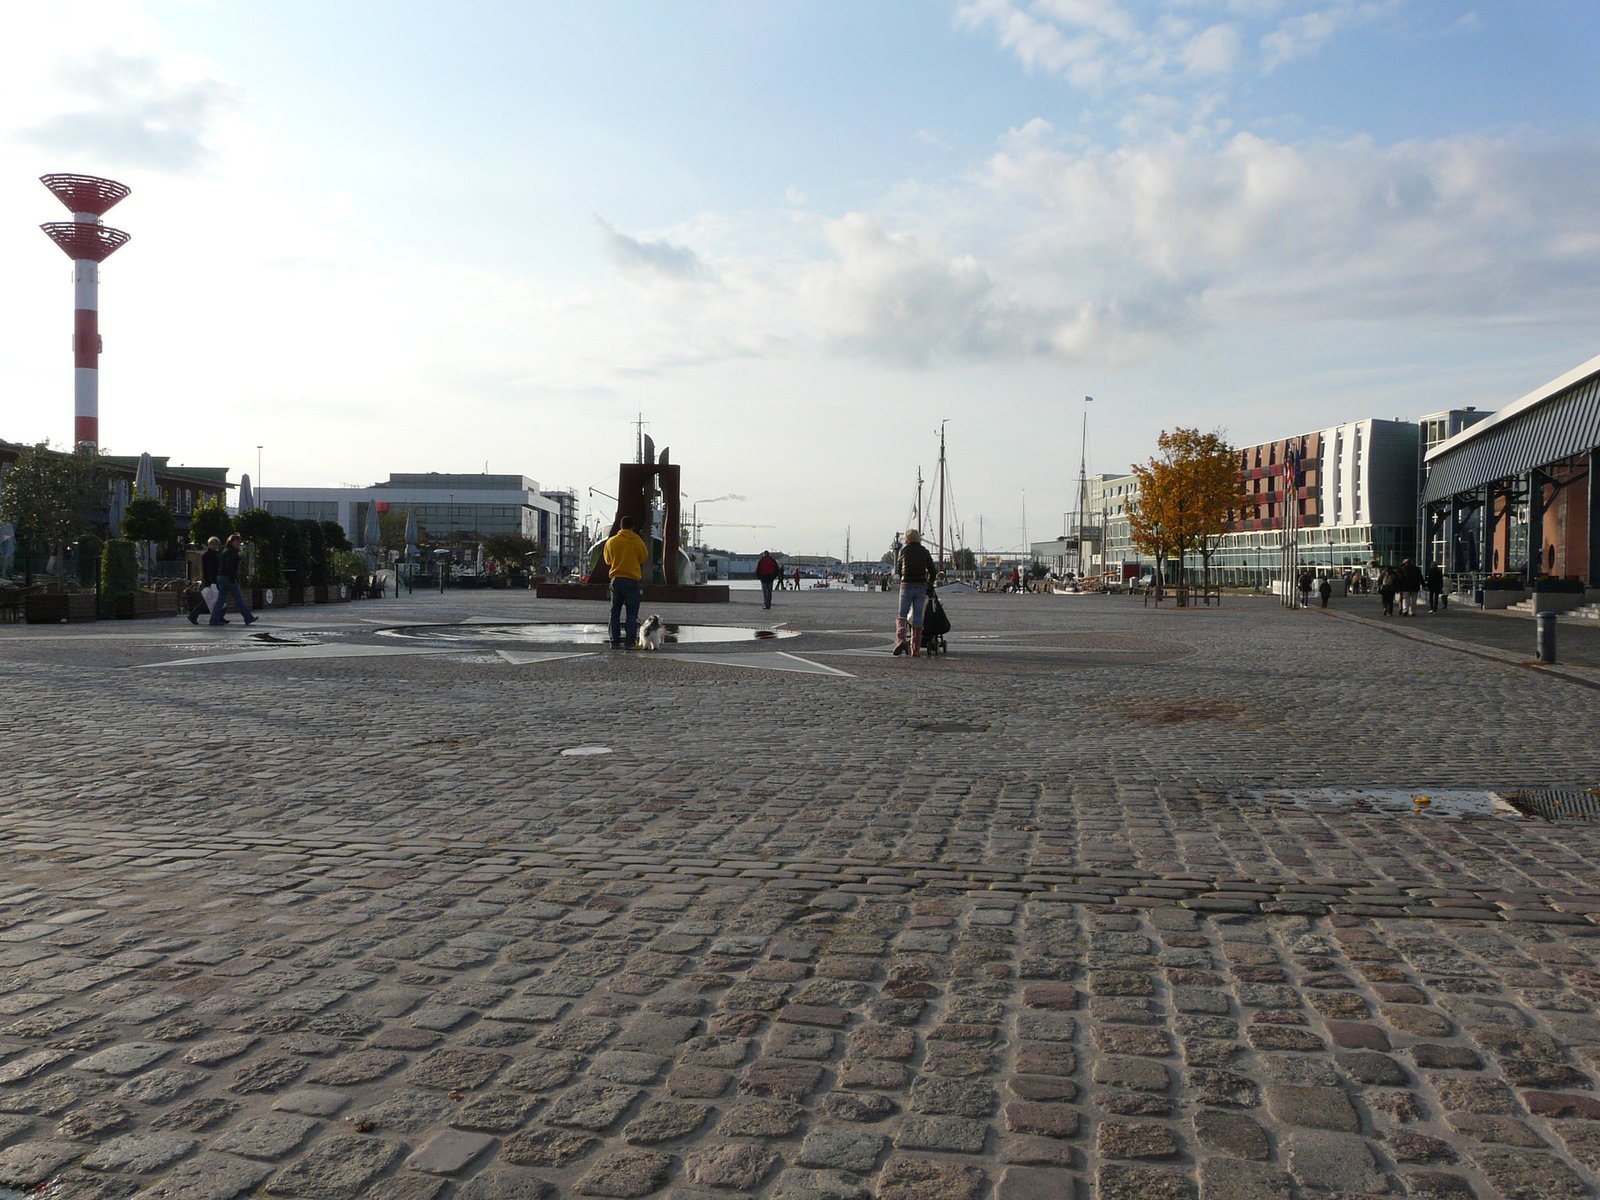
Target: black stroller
<point>935,624</point>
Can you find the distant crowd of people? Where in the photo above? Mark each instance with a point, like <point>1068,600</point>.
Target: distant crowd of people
<point>1398,586</point>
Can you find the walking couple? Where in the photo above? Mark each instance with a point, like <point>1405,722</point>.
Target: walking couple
<point>219,574</point>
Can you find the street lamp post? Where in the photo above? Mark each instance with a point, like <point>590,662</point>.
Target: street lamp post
<point>260,500</point>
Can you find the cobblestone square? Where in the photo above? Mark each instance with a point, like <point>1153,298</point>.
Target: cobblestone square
<point>1113,901</point>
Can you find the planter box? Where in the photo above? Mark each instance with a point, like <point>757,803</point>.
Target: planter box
<point>319,593</point>
<point>50,610</point>
<point>1503,597</point>
<point>1558,595</point>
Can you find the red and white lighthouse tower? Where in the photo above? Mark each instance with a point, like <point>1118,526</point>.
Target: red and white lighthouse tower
<point>88,242</point>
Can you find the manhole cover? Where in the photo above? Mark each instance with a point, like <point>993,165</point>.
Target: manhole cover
<point>950,727</point>
<point>1556,804</point>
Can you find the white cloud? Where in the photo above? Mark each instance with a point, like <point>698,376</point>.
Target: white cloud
<point>1304,35</point>
<point>130,110</point>
<point>1100,45</point>
<point>648,262</point>
<point>1214,51</point>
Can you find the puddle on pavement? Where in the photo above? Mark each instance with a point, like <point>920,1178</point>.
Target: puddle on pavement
<point>551,633</point>
<point>1422,802</point>
<point>1556,804</point>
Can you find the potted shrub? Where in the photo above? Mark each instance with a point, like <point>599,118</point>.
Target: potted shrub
<point>1553,593</point>
<point>119,577</point>
<point>1501,590</point>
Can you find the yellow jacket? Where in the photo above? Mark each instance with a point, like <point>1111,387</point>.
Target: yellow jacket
<point>626,555</point>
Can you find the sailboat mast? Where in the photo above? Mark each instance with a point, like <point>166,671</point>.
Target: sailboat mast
<point>1083,485</point>
<point>941,497</point>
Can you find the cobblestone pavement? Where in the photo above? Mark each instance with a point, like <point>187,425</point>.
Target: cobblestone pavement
<point>1113,902</point>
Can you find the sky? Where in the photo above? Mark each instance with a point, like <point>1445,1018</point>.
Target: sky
<point>383,236</point>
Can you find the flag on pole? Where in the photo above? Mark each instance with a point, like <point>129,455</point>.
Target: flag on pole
<point>1088,399</point>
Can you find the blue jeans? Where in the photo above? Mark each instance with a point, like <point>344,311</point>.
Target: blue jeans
<point>912,597</point>
<point>228,589</point>
<point>625,593</point>
<point>766,590</point>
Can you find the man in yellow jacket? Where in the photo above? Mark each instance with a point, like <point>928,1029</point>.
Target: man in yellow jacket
<point>626,555</point>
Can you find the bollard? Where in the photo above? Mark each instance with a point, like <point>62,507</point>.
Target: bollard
<point>1545,636</point>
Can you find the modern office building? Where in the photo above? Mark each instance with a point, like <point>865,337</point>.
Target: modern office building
<point>449,508</point>
<point>1349,493</point>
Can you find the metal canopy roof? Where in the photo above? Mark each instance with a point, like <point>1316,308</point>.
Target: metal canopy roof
<point>1555,422</point>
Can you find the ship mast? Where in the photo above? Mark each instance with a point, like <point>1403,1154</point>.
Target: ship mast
<point>943,484</point>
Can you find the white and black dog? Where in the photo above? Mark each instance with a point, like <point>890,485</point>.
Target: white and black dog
<point>651,633</point>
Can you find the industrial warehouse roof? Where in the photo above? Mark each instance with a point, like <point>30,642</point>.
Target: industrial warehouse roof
<point>1551,423</point>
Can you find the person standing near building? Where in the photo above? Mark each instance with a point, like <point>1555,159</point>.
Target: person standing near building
<point>915,567</point>
<point>1388,584</point>
<point>228,583</point>
<point>1435,583</point>
<point>625,555</point>
<point>208,578</point>
<point>1325,590</point>
<point>767,572</point>
<point>1306,581</point>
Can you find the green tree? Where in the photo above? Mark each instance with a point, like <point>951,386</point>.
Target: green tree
<point>89,549</point>
<point>292,557</point>
<point>209,520</point>
<point>333,536</point>
<point>964,560</point>
<point>146,519</point>
<point>119,569</point>
<point>392,529</point>
<point>260,528</point>
<point>316,544</point>
<point>511,550</point>
<point>51,497</point>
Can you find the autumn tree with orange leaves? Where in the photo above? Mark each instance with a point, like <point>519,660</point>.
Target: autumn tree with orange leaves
<point>1188,497</point>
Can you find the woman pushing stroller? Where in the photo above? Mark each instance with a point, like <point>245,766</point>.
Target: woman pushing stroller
<point>915,567</point>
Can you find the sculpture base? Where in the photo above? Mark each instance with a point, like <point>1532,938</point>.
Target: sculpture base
<point>658,593</point>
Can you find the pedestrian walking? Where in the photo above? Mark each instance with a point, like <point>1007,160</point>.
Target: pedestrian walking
<point>1306,581</point>
<point>1410,585</point>
<point>797,579</point>
<point>625,555</point>
<point>915,567</point>
<point>1434,577</point>
<point>228,584</point>
<point>1388,584</point>
<point>208,579</point>
<point>767,570</point>
<point>1325,590</point>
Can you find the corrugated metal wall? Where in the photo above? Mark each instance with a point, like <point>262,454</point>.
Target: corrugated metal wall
<point>1567,424</point>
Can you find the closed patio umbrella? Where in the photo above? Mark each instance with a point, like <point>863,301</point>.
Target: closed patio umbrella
<point>144,484</point>
<point>247,494</point>
<point>371,536</point>
<point>411,534</point>
<point>119,502</point>
<point>144,479</point>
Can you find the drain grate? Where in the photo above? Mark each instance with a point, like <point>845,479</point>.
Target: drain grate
<point>1556,804</point>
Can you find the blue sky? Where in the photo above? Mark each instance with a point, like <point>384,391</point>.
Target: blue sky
<point>380,237</point>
